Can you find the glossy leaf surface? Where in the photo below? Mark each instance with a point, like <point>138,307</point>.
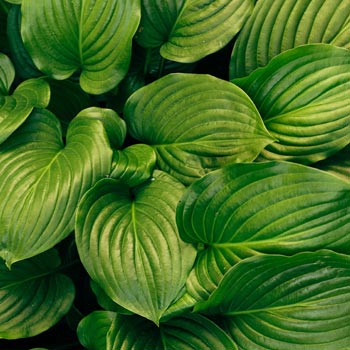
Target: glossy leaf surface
<point>128,242</point>
<point>278,25</point>
<point>249,209</point>
<point>33,297</point>
<point>95,38</point>
<point>302,96</point>
<point>42,179</point>
<point>289,303</point>
<point>196,123</point>
<point>187,31</point>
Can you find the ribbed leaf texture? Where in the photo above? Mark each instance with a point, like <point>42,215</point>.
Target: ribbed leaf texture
<point>286,303</point>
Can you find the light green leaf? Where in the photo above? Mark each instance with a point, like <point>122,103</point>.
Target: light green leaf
<point>189,332</point>
<point>128,242</point>
<point>42,180</point>
<point>7,74</point>
<point>134,164</point>
<point>92,329</point>
<point>302,96</point>
<point>93,37</point>
<point>15,109</point>
<point>187,31</point>
<point>286,303</point>
<point>33,296</point>
<point>250,209</point>
<point>279,25</point>
<point>196,123</point>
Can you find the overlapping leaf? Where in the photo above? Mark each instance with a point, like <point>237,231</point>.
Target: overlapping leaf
<point>189,332</point>
<point>134,164</point>
<point>302,96</point>
<point>91,36</point>
<point>196,123</point>
<point>279,25</point>
<point>249,209</point>
<point>42,180</point>
<point>33,296</point>
<point>92,329</point>
<point>128,242</point>
<point>15,108</point>
<point>187,31</point>
<point>290,303</point>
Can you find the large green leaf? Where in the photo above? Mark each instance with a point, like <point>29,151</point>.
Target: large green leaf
<point>128,242</point>
<point>92,329</point>
<point>92,36</point>
<point>33,296</point>
<point>189,332</point>
<point>42,179</point>
<point>196,123</point>
<point>302,96</point>
<point>286,303</point>
<point>186,30</point>
<point>279,25</point>
<point>249,209</point>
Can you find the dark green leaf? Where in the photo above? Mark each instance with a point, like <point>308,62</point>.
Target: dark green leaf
<point>33,297</point>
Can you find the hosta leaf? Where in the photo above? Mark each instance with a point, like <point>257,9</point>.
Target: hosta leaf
<point>189,30</point>
<point>128,242</point>
<point>195,123</point>
<point>95,39</point>
<point>248,209</point>
<point>16,108</point>
<point>33,296</point>
<point>190,332</point>
<point>338,164</point>
<point>7,74</point>
<point>92,329</point>
<point>286,303</point>
<point>25,68</point>
<point>279,25</point>
<point>302,96</point>
<point>3,24</point>
<point>134,164</point>
<point>42,180</point>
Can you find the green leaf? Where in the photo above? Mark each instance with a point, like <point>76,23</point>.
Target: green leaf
<point>25,67</point>
<point>128,242</point>
<point>33,296</point>
<point>92,329</point>
<point>93,37</point>
<point>302,96</point>
<point>189,332</point>
<point>7,74</point>
<point>187,31</point>
<point>15,108</point>
<point>195,123</point>
<point>249,209</point>
<point>279,25</point>
<point>289,303</point>
<point>134,164</point>
<point>42,180</point>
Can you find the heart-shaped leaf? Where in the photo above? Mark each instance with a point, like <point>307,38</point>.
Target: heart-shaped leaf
<point>15,108</point>
<point>187,31</point>
<point>93,37</point>
<point>290,303</point>
<point>279,25</point>
<point>128,242</point>
<point>302,96</point>
<point>248,209</point>
<point>33,296</point>
<point>134,164</point>
<point>196,123</point>
<point>42,180</point>
<point>92,329</point>
<point>188,332</point>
